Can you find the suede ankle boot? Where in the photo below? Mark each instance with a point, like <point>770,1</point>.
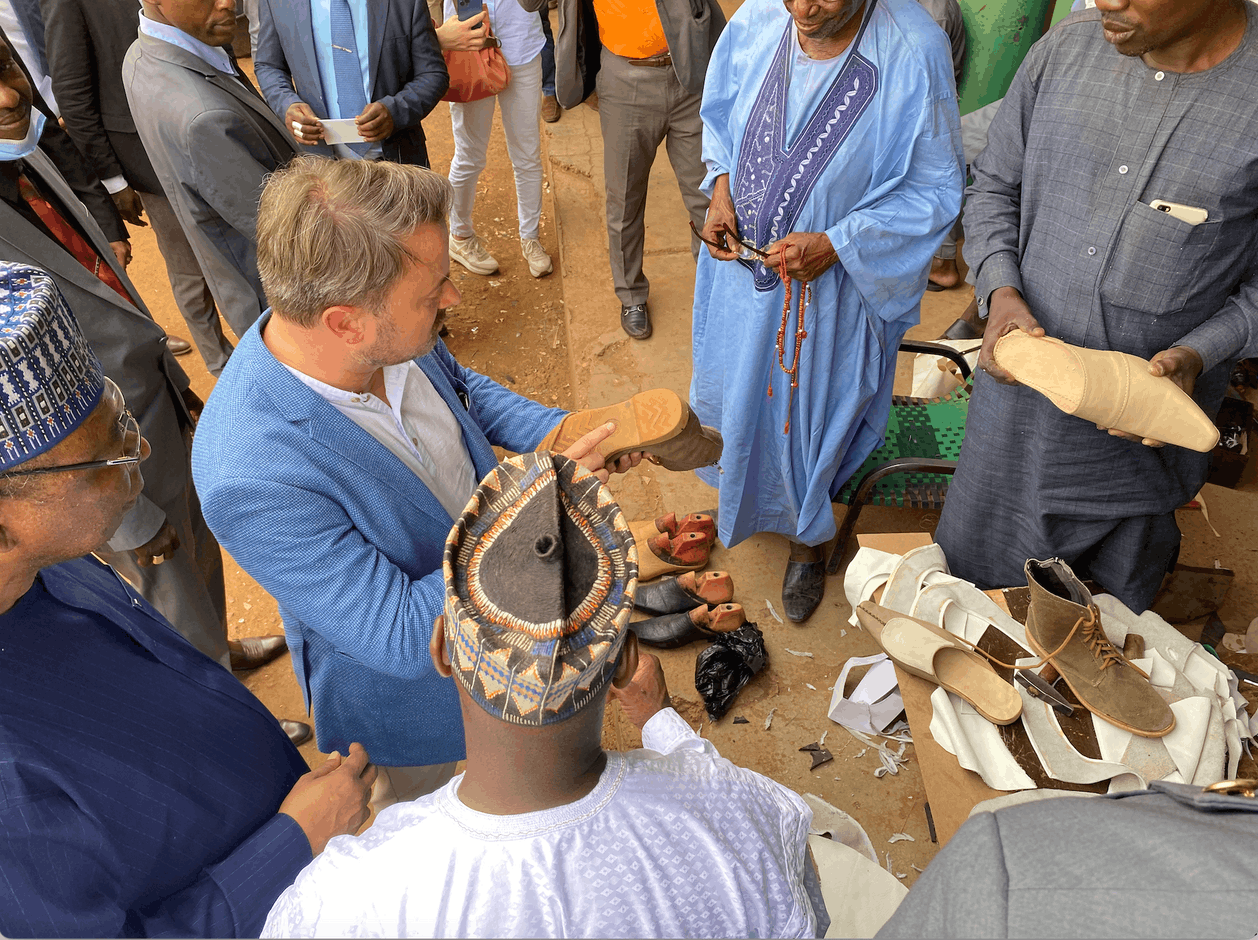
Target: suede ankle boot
<point>1064,627</point>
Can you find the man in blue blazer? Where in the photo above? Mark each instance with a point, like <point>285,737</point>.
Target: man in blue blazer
<point>143,790</point>
<point>377,61</point>
<point>341,442</point>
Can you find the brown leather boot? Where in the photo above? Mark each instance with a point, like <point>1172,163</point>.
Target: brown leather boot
<point>1064,627</point>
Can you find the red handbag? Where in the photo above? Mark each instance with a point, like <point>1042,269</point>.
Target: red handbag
<point>479,74</point>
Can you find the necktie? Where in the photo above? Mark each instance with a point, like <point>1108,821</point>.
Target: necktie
<point>69,238</point>
<point>350,95</point>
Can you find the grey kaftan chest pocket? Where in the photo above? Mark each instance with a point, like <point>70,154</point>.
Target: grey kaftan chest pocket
<point>1155,266</point>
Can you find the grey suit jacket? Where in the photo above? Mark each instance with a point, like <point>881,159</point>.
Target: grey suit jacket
<point>408,73</point>
<point>212,141</point>
<point>87,40</point>
<point>126,339</point>
<point>692,28</point>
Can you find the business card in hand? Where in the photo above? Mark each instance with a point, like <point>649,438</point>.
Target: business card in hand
<point>341,131</point>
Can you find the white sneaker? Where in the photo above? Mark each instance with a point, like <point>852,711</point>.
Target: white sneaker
<point>470,253</point>
<point>535,255</point>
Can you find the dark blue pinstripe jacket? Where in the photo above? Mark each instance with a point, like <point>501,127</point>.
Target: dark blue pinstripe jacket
<point>139,780</point>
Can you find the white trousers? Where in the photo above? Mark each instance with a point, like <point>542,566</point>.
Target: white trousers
<point>521,103</point>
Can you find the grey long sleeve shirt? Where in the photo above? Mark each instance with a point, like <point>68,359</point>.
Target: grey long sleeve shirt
<point>1061,206</point>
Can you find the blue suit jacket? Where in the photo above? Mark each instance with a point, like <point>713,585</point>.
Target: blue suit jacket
<point>139,780</point>
<point>407,71</point>
<point>348,540</point>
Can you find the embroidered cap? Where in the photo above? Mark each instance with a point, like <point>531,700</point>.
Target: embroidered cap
<point>50,381</point>
<point>540,574</point>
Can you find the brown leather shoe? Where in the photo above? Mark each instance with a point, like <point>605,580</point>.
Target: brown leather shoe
<point>255,651</point>
<point>657,421</point>
<point>1064,627</point>
<point>550,109</point>
<point>178,346</point>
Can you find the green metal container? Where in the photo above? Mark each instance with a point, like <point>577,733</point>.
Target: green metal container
<point>998,34</point>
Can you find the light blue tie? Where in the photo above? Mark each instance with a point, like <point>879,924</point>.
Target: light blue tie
<point>349,71</point>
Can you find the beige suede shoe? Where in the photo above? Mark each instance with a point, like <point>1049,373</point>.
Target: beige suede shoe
<point>1064,627</point>
<point>1110,389</point>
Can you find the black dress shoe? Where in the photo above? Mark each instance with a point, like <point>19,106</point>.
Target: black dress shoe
<point>684,593</point>
<point>961,329</point>
<point>636,321</point>
<point>255,651</point>
<point>804,583</point>
<point>298,731</point>
<point>673,630</point>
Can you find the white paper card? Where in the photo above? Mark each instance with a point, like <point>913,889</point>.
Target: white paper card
<point>341,131</point>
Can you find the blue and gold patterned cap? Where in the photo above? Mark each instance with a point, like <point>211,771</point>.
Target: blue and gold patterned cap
<point>540,574</point>
<point>50,381</point>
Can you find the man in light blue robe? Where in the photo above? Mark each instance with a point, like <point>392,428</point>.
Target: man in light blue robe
<point>830,127</point>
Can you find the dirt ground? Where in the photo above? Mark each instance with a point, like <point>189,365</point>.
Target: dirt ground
<point>557,340</point>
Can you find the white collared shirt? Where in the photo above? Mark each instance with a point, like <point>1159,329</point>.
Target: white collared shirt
<point>213,56</point>
<point>416,425</point>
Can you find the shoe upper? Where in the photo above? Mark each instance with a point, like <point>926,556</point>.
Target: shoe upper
<point>472,255</point>
<point>538,260</point>
<point>1106,684</point>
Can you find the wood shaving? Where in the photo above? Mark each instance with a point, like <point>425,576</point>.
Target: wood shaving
<point>768,721</point>
<point>804,653</point>
<point>772,611</point>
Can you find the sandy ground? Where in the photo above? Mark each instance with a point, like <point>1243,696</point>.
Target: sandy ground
<point>558,340</point>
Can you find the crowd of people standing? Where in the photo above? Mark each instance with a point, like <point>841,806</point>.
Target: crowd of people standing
<point>442,605</point>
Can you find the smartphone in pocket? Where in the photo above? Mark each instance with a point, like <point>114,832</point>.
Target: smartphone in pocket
<point>1177,210</point>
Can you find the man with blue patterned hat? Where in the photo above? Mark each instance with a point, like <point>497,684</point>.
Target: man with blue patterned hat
<point>143,790</point>
<point>670,840</point>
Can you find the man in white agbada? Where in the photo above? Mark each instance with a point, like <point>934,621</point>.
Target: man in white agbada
<point>832,140</point>
<point>545,834</point>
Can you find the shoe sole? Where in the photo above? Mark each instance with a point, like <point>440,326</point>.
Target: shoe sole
<point>657,421</point>
<point>1043,654</point>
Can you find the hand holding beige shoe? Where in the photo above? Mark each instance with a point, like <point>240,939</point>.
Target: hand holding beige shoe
<point>1146,402</point>
<point>1119,392</point>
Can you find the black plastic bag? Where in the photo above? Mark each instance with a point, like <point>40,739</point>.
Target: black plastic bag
<point>727,665</point>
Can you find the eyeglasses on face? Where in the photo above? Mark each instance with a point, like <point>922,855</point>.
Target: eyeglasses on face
<point>131,446</point>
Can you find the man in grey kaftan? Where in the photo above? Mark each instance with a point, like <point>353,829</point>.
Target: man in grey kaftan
<point>1103,120</point>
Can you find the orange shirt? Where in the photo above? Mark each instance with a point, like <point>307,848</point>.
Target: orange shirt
<point>630,28</point>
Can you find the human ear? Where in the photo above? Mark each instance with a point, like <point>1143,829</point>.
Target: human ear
<point>346,323</point>
<point>627,667</point>
<point>7,542</point>
<point>437,648</point>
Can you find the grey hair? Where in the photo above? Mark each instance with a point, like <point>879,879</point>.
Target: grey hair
<point>334,231</point>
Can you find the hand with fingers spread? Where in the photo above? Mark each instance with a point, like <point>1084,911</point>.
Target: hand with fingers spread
<point>303,123</point>
<point>808,255</point>
<point>721,218</point>
<point>646,693</point>
<point>585,451</point>
<point>1182,365</point>
<point>331,800</point>
<point>1007,312</point>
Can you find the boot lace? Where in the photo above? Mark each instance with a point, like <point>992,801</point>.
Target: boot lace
<point>1093,636</point>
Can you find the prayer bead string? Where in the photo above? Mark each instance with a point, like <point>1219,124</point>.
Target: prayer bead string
<point>805,298</point>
